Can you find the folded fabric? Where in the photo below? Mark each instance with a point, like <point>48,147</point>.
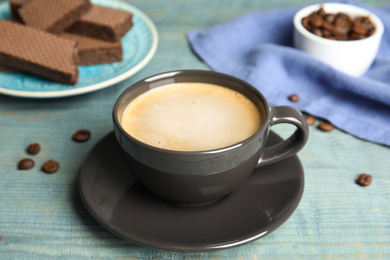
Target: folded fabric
<point>258,48</point>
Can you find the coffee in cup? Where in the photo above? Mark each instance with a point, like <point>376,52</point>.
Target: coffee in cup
<point>191,116</point>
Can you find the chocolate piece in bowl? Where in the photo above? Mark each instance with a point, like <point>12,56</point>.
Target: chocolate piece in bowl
<point>53,15</point>
<point>93,51</point>
<point>38,52</point>
<point>103,23</point>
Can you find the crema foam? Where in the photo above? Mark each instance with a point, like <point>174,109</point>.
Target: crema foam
<point>191,116</point>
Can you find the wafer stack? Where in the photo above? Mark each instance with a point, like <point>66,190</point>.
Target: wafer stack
<point>51,38</point>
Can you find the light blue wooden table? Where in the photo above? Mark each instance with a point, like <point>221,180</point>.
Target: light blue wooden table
<point>43,217</point>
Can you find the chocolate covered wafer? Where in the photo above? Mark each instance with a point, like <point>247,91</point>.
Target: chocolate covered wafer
<point>15,5</point>
<point>93,51</point>
<point>103,23</point>
<point>53,15</point>
<point>38,52</point>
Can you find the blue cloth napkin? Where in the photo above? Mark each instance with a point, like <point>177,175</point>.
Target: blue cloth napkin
<point>258,48</point>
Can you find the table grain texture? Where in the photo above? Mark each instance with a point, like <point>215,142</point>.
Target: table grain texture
<point>42,216</point>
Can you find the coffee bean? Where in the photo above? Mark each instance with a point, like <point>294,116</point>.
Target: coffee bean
<point>344,24</point>
<point>294,98</point>
<point>26,164</point>
<point>359,29</point>
<point>370,32</point>
<point>364,179</point>
<point>316,20</point>
<point>339,26</point>
<point>305,23</point>
<point>316,31</point>
<point>329,18</point>
<point>355,36</point>
<point>341,37</point>
<point>321,12</point>
<point>50,166</point>
<point>33,148</point>
<point>81,135</point>
<point>310,120</point>
<point>325,126</point>
<point>326,34</point>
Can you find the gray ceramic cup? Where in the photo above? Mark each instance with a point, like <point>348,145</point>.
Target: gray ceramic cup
<point>200,177</point>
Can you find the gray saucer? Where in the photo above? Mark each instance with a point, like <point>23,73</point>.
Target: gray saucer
<point>123,206</point>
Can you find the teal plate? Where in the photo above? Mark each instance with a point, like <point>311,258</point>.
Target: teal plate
<point>139,45</point>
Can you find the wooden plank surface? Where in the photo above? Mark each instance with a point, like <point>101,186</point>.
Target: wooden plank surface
<point>43,217</point>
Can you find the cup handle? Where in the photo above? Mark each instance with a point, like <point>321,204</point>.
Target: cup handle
<point>290,146</point>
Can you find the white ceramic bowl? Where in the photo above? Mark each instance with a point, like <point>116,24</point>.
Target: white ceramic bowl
<point>351,57</point>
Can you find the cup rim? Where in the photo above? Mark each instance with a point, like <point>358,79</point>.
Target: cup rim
<point>305,11</point>
<point>167,74</point>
